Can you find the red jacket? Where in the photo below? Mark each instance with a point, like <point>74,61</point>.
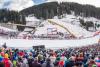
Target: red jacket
<point>21,54</point>
<point>6,62</point>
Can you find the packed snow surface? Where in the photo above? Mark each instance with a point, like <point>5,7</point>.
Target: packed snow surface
<point>7,29</point>
<point>50,43</point>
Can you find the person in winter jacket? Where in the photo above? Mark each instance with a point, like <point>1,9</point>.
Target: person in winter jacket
<point>48,63</point>
<point>20,63</point>
<point>30,61</point>
<point>40,58</point>
<point>35,63</point>
<point>62,61</point>
<point>97,61</point>
<point>25,62</point>
<point>52,58</point>
<point>69,63</point>
<point>57,61</point>
<point>91,63</point>
<point>7,61</point>
<point>1,62</point>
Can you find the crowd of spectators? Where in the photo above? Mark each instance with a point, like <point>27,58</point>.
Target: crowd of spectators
<point>86,56</point>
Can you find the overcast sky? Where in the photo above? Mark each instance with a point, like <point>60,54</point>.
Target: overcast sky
<point>21,4</point>
<point>16,4</point>
<point>92,2</point>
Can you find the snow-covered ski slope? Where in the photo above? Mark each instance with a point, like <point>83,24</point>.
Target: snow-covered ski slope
<point>46,25</point>
<point>73,29</point>
<point>71,22</point>
<point>49,43</point>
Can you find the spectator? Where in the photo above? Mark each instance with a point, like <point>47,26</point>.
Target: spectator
<point>77,57</point>
<point>48,63</point>
<point>1,62</point>
<point>35,63</point>
<point>97,60</point>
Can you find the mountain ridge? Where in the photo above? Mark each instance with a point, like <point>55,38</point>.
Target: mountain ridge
<point>51,9</point>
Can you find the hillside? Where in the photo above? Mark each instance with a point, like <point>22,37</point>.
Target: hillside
<point>51,9</point>
<point>48,11</point>
<point>71,22</point>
